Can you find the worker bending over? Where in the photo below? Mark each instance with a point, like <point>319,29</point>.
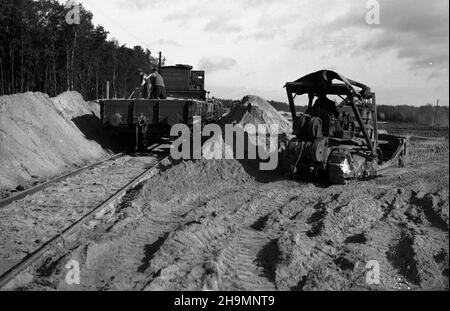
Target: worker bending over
<point>143,83</point>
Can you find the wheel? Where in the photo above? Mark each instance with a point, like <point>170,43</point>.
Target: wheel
<point>314,128</point>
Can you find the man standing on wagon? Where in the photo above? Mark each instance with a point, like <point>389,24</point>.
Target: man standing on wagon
<point>158,90</point>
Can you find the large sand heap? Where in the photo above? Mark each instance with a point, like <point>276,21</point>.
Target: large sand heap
<point>39,137</point>
<point>255,110</point>
<point>251,110</point>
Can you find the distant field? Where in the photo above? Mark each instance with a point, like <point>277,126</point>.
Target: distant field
<point>419,115</point>
<point>412,128</point>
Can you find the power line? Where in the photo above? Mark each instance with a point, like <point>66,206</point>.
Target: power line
<point>123,28</point>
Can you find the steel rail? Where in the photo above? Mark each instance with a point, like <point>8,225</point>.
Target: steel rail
<point>46,184</point>
<point>112,202</point>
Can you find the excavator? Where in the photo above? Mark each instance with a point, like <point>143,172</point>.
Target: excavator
<point>338,139</point>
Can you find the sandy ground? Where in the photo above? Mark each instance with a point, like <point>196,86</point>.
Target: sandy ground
<point>27,223</point>
<point>224,225</point>
<point>41,137</point>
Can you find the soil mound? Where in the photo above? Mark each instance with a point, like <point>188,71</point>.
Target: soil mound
<point>255,110</point>
<point>256,118</point>
<point>40,137</point>
<point>195,177</point>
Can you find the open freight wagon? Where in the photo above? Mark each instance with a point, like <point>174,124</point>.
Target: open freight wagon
<point>143,119</point>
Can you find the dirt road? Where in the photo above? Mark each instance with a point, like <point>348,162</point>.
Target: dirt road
<point>223,225</point>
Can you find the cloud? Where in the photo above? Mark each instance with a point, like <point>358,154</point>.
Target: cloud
<point>201,10</point>
<point>269,25</point>
<point>407,50</point>
<point>133,4</point>
<point>166,42</point>
<point>181,16</point>
<point>211,64</point>
<point>261,35</point>
<point>257,3</point>
<point>417,31</point>
<point>144,4</point>
<point>219,25</point>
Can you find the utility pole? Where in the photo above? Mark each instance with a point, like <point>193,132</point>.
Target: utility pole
<point>107,89</point>
<point>435,112</point>
<point>159,62</point>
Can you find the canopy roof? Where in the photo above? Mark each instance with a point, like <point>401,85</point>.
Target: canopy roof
<point>320,81</point>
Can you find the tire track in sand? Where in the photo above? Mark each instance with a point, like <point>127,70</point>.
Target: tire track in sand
<point>120,260</point>
<point>221,251</point>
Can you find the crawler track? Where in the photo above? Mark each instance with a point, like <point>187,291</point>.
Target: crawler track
<point>59,208</point>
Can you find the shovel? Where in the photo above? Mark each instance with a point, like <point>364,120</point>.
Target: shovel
<point>132,94</point>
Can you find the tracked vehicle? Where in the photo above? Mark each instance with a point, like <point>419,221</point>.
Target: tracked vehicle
<point>342,145</point>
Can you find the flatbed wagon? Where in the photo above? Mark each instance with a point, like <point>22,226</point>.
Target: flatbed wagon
<point>143,119</point>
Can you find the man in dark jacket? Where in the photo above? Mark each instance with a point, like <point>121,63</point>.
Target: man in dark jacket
<point>158,90</point>
<point>326,109</point>
<point>327,106</point>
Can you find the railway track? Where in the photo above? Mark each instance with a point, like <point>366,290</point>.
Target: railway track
<point>57,209</point>
<point>46,184</point>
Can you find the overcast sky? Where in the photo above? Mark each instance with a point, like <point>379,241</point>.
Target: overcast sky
<point>255,46</point>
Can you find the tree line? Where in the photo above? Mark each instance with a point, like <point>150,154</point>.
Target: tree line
<point>426,114</point>
<point>40,51</point>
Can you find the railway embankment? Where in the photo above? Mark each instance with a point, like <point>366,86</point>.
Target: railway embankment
<point>42,137</point>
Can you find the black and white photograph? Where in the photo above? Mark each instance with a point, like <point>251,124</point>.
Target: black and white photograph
<point>224,152</point>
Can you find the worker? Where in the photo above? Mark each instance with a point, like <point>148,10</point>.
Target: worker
<point>143,83</point>
<point>158,90</point>
<point>326,109</point>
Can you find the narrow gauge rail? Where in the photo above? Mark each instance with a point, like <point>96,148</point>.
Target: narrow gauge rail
<point>113,200</point>
<point>47,184</point>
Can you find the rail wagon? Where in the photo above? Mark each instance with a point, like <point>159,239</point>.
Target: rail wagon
<point>143,119</point>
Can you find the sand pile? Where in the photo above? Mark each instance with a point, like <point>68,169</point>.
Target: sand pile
<point>257,118</point>
<point>42,136</point>
<point>255,110</point>
<point>194,177</point>
<point>71,105</point>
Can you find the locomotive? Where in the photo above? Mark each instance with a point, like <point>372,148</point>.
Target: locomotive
<point>147,119</point>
